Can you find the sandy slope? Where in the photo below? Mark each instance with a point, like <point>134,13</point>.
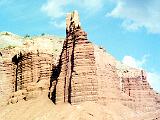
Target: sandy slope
<point>43,109</point>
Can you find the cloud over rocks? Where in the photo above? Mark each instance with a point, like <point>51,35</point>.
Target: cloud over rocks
<point>138,14</point>
<point>132,62</point>
<point>154,80</point>
<point>57,9</point>
<point>153,77</point>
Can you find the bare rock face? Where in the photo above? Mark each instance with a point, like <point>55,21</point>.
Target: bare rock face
<point>7,77</point>
<point>75,73</point>
<point>77,80</point>
<point>108,80</point>
<point>88,73</point>
<point>33,73</point>
<point>25,72</point>
<point>135,85</point>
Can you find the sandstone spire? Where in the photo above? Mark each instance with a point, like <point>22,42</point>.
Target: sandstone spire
<point>72,20</point>
<point>85,72</point>
<point>76,82</point>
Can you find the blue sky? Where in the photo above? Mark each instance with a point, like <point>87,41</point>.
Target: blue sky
<point>128,29</point>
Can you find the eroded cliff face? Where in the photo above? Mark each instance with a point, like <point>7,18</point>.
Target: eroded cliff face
<point>108,80</point>
<point>7,77</point>
<point>77,80</point>
<point>74,72</point>
<point>26,71</point>
<point>135,85</point>
<point>88,73</point>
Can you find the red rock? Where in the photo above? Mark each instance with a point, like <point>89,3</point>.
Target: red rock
<point>85,72</point>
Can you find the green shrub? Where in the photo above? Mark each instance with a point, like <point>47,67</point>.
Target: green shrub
<point>27,36</point>
<point>6,33</point>
<point>42,34</point>
<point>10,47</point>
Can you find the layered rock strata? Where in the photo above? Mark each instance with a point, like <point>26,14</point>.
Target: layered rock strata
<point>77,80</point>
<point>26,76</point>
<point>88,73</point>
<point>84,73</point>
<point>7,77</point>
<point>26,72</point>
<point>108,79</point>
<point>33,68</point>
<point>109,82</point>
<point>135,85</point>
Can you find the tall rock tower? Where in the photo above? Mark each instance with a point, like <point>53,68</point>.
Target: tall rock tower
<point>77,80</point>
<point>88,73</point>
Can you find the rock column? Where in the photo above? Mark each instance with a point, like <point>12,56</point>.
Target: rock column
<point>76,82</point>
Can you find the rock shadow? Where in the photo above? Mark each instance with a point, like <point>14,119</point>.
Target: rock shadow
<point>53,81</point>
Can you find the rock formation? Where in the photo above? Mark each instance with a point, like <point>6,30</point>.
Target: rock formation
<point>77,80</point>
<point>7,76</point>
<point>26,71</point>
<point>108,79</point>
<point>75,73</point>
<point>135,85</point>
<point>88,73</point>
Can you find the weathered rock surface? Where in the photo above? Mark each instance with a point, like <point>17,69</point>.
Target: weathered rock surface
<point>79,73</point>
<point>77,80</point>
<point>134,84</point>
<point>26,70</point>
<point>108,79</point>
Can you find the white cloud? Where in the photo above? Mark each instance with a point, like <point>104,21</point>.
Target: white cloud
<point>57,9</point>
<point>132,62</point>
<point>154,80</point>
<point>92,5</point>
<point>152,77</point>
<point>138,14</point>
<point>60,24</point>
